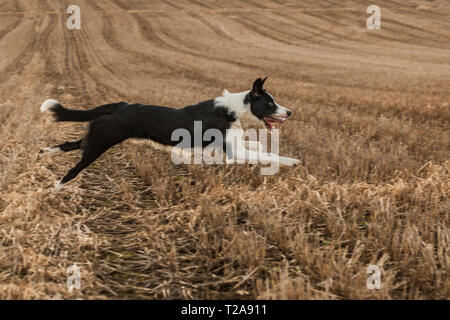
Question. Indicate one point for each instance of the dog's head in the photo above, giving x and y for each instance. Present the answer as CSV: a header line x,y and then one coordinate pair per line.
x,y
264,107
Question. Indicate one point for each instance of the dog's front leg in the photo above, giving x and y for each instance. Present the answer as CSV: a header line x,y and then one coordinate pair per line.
x,y
241,155
254,145
288,161
271,157
255,153
236,151
263,156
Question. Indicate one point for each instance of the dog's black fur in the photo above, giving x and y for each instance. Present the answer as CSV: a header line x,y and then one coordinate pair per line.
x,y
113,123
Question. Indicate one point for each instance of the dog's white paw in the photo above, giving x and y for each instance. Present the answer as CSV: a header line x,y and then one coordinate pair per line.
x,y
47,151
57,187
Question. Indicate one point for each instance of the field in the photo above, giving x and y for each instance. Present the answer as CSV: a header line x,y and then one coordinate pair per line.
x,y
370,127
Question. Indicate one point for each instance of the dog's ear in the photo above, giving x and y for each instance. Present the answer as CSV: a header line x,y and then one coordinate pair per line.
x,y
264,80
258,86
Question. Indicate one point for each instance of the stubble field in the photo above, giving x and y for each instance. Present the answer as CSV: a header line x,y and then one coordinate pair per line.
x,y
370,127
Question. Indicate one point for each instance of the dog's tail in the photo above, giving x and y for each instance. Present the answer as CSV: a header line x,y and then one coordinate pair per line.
x,y
62,114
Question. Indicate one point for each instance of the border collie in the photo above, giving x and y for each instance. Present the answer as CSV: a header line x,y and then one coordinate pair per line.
x,y
113,123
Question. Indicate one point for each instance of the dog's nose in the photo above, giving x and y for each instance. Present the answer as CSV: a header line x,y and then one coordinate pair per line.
x,y
288,113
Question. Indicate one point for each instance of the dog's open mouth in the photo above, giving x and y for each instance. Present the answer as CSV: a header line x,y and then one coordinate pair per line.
x,y
271,121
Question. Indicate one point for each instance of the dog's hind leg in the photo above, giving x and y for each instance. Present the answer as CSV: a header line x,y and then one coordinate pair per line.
x,y
64,147
69,146
99,139
88,157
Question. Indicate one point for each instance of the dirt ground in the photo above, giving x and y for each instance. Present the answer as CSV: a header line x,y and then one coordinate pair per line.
x,y
370,127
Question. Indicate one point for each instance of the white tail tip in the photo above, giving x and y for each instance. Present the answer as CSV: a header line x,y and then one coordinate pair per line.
x,y
48,104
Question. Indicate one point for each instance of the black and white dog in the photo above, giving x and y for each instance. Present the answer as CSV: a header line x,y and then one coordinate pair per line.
x,y
111,124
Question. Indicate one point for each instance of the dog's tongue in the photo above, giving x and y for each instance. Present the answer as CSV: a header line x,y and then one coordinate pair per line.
x,y
270,123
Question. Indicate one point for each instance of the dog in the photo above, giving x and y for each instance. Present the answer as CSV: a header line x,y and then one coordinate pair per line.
x,y
114,123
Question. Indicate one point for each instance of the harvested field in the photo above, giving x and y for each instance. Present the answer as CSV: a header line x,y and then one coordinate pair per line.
x,y
370,125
